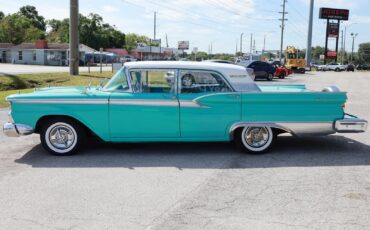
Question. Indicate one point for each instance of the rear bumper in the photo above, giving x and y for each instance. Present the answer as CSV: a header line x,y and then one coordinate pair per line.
x,y
350,124
16,130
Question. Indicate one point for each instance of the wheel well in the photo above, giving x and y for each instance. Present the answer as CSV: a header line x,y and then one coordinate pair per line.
x,y
43,119
275,131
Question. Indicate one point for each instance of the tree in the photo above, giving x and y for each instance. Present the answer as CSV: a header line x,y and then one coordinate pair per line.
x,y
364,52
1,15
32,14
59,30
132,39
17,29
93,32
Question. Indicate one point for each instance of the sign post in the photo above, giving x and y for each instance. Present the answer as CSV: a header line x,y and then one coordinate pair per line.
x,y
183,45
332,28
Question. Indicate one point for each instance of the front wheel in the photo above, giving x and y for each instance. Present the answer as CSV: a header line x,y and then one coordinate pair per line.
x,y
270,76
255,140
62,137
282,75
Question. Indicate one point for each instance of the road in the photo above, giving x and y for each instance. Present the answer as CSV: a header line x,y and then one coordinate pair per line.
x,y
303,183
27,69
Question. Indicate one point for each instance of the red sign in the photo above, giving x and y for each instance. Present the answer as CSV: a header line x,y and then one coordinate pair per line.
x,y
331,54
329,13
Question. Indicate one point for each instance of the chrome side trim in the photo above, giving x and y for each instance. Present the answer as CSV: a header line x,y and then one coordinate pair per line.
x,y
16,130
294,128
141,102
61,101
192,104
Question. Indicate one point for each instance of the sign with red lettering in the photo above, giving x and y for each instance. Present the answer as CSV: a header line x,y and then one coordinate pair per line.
x,y
333,30
329,13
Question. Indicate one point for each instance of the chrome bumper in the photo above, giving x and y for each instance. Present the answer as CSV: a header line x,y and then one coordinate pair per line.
x,y
350,124
16,130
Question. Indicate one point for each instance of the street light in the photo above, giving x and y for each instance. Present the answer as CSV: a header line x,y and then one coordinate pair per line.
x,y
354,35
345,34
241,44
264,40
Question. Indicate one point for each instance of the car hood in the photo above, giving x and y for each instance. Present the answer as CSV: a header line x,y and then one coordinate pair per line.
x,y
77,92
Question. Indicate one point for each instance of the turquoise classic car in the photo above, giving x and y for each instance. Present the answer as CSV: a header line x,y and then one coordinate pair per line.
x,y
179,102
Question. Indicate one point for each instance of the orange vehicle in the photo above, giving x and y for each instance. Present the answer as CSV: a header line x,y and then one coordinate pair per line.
x,y
292,60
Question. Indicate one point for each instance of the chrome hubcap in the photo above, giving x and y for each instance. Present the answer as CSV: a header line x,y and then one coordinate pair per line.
x,y
62,137
256,136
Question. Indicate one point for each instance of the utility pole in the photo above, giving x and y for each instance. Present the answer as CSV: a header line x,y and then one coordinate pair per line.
x,y
264,43
241,43
283,19
73,38
166,41
354,35
251,44
254,46
309,34
155,25
236,47
341,48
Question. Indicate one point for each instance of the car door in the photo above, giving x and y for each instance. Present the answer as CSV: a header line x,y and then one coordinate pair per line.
x,y
150,110
208,105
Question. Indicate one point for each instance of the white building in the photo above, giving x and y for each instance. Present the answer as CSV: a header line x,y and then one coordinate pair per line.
x,y
40,53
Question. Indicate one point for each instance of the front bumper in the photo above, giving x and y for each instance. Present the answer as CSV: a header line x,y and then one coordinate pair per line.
x,y
350,124
16,130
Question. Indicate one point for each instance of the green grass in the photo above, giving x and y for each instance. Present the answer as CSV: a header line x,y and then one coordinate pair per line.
x,y
4,94
10,84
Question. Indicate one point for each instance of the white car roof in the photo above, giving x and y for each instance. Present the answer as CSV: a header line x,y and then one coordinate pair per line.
x,y
236,75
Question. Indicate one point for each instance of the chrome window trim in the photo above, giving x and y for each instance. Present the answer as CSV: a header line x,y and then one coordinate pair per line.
x,y
204,70
129,70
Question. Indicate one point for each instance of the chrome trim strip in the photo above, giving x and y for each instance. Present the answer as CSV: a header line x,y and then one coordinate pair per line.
x,y
141,102
294,128
192,104
61,101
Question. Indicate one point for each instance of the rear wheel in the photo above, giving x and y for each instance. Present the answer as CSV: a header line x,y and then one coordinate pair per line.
x,y
62,136
337,70
282,75
255,140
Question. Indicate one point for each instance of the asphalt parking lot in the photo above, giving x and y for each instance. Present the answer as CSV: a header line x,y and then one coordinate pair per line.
x,y
303,183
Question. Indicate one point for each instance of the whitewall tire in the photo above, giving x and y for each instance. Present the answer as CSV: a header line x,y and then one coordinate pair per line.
x,y
255,139
62,136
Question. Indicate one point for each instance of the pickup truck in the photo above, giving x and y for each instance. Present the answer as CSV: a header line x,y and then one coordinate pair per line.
x,y
202,102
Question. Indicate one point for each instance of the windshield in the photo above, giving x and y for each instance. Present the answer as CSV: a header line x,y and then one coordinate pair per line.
x,y
118,82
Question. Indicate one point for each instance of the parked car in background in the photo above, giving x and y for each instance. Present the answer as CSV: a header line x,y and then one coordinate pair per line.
x,y
128,58
262,70
281,72
350,68
363,67
337,67
322,68
205,102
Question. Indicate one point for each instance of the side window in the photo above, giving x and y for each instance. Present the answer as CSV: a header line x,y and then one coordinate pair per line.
x,y
201,82
153,81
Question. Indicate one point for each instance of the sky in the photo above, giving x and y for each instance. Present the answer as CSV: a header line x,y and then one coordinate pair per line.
x,y
216,22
